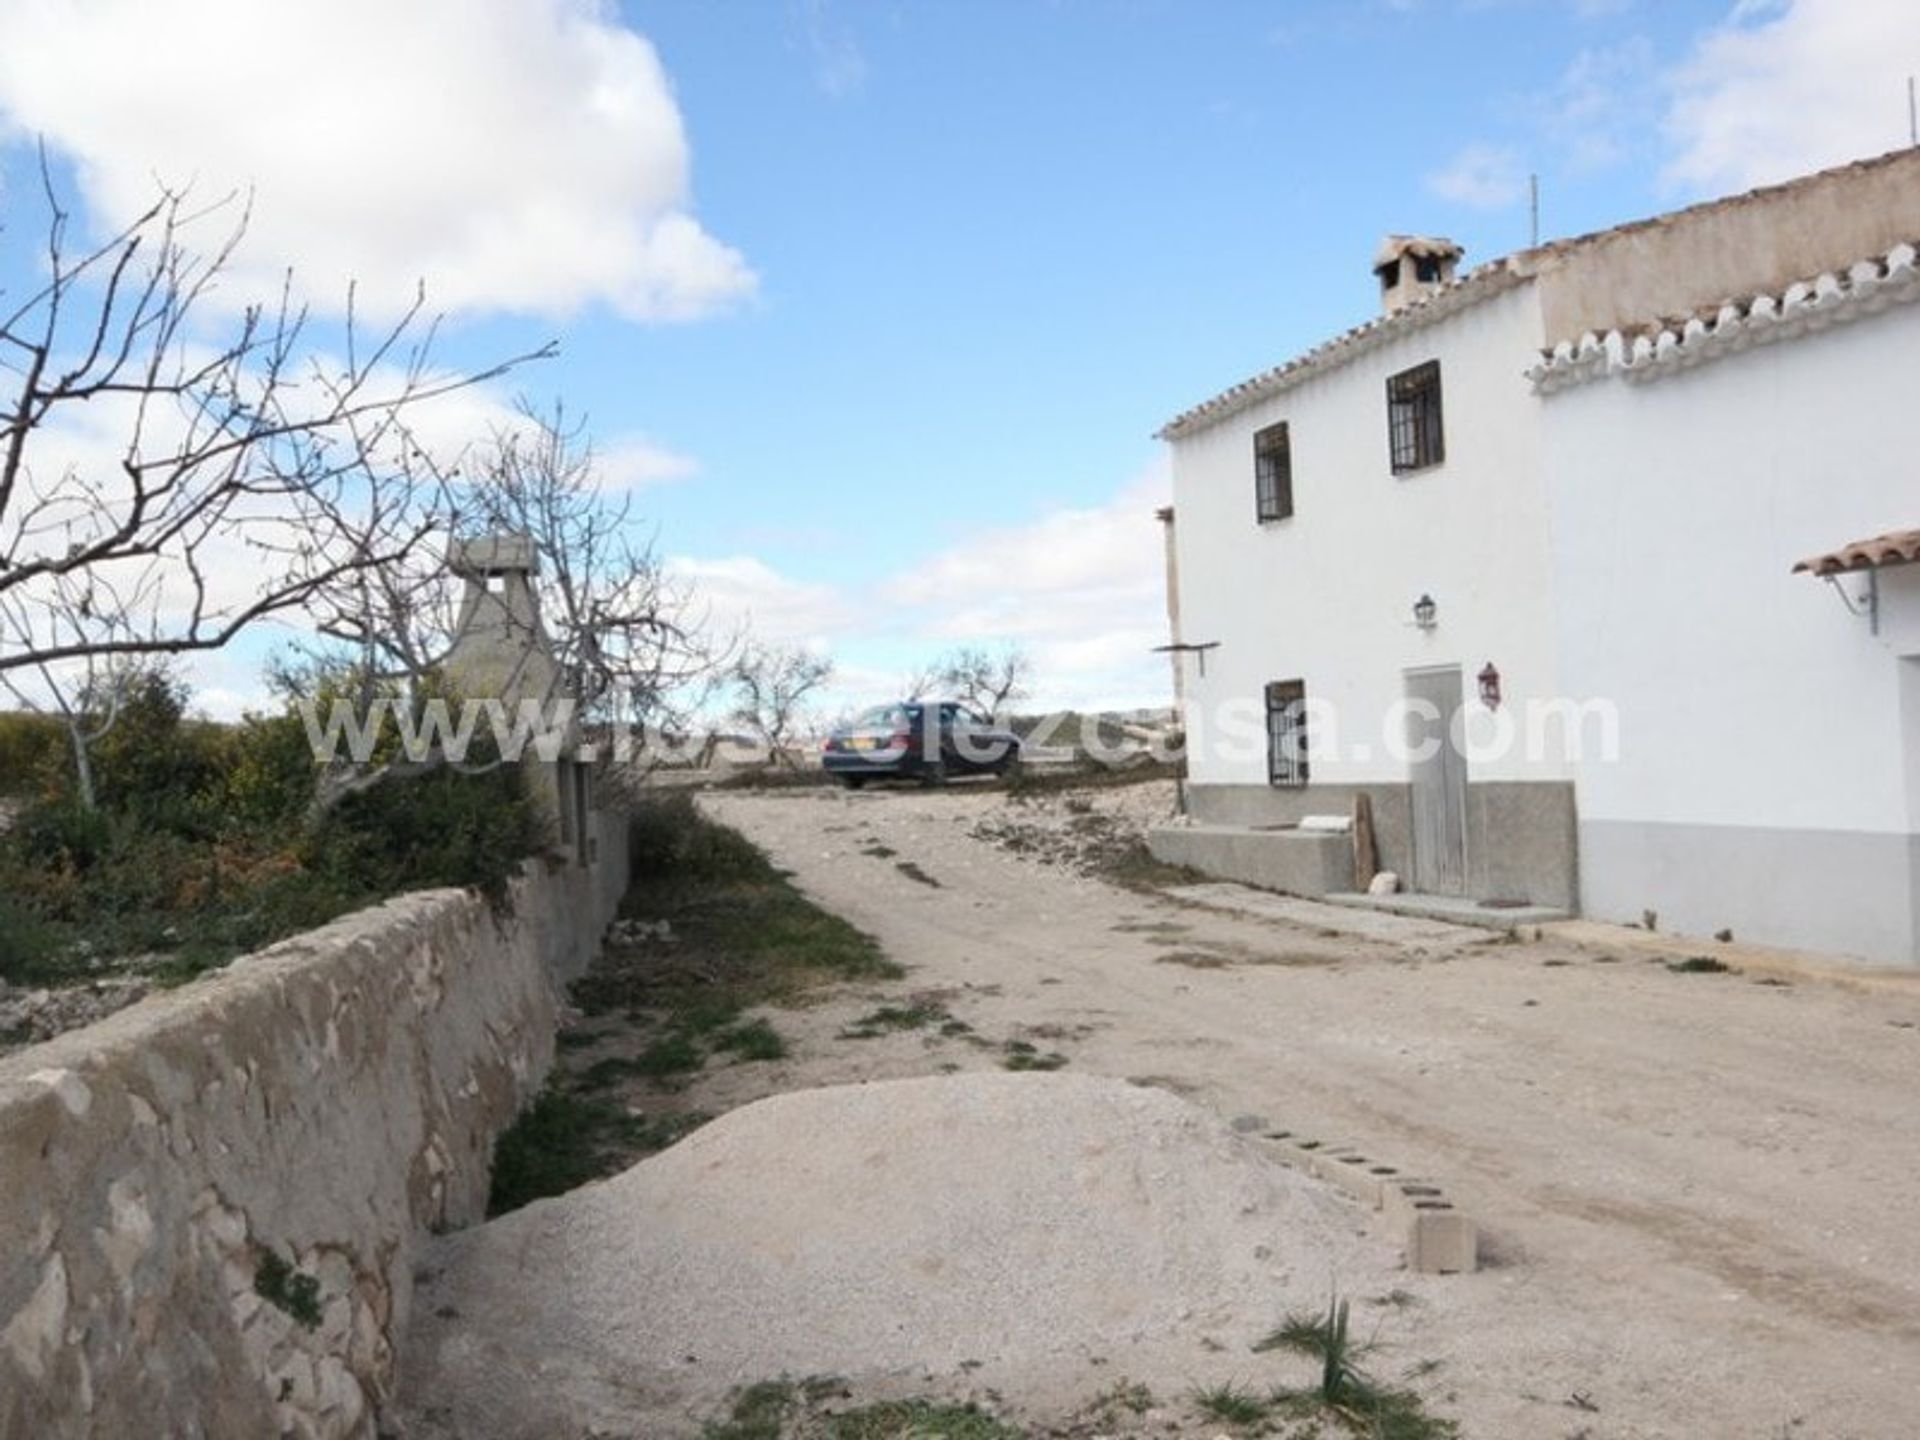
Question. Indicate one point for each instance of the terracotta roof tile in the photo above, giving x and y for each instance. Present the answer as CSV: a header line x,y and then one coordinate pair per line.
x,y
1897,547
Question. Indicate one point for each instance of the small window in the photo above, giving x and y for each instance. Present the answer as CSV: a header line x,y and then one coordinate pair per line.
x,y
1273,473
1287,733
1426,269
1413,418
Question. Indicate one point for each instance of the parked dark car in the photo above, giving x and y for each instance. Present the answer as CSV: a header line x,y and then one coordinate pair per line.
x,y
924,740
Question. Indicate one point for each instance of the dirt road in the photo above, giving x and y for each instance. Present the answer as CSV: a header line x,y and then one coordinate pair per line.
x,y
1696,1190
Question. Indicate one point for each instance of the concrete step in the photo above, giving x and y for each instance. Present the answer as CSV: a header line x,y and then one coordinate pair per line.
x,y
1452,910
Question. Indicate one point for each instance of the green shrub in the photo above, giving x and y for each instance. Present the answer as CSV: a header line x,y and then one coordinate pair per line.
x,y
442,828
32,747
668,838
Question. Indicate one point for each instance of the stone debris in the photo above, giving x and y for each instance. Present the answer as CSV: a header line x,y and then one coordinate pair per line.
x,y
640,932
1090,832
29,1016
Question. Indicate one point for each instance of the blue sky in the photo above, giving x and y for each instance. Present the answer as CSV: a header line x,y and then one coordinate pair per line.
x,y
939,269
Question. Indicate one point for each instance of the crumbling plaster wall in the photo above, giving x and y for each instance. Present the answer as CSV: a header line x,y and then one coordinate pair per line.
x,y
330,1100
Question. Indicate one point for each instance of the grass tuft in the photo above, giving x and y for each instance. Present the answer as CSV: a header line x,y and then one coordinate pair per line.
x,y
916,1015
752,1040
1345,1391
1020,1055
1232,1404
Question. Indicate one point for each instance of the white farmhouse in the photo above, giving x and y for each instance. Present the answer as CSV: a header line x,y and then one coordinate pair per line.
x,y
1554,508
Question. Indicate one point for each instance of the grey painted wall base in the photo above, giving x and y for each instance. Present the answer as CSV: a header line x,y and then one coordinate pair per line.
x,y
1522,838
1285,860
1848,892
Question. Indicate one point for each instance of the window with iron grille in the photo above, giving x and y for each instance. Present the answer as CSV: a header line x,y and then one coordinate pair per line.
x,y
1273,473
1287,733
1413,418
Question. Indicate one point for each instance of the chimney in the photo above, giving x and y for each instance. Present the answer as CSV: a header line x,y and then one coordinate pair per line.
x,y
500,648
1412,267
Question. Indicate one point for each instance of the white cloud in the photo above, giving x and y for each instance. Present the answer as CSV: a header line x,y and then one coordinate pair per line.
x,y
1483,177
1082,589
839,64
1597,113
630,462
1788,86
741,592
519,155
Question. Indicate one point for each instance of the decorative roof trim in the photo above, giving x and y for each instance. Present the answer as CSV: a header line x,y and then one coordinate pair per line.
x,y
1667,346
1901,547
1478,286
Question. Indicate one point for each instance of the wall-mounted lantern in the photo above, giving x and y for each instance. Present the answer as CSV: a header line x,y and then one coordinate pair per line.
x,y
1425,612
1490,687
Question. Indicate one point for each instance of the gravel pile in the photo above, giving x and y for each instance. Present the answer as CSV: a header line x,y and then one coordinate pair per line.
x,y
996,1230
1091,832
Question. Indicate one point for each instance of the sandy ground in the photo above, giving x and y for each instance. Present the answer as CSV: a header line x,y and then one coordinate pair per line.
x,y
1695,1189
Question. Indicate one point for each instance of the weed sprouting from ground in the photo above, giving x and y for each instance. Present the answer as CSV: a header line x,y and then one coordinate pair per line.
x,y
916,1015
1020,1055
759,1413
1699,965
673,1054
1344,1390
1125,1395
752,1040
1232,1404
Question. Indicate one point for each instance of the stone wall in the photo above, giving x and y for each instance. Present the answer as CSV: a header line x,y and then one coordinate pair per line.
x,y
327,1101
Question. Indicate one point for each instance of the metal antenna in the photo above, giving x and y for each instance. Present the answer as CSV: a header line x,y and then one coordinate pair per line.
x,y
1533,194
1913,114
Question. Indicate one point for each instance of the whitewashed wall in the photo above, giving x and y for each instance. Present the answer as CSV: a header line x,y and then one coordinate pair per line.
x,y
1327,595
1769,777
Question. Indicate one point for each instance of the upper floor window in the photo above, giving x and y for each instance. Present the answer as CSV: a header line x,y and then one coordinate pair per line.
x,y
1273,473
1414,430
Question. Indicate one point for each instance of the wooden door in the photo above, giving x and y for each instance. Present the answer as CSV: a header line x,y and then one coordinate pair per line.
x,y
1439,774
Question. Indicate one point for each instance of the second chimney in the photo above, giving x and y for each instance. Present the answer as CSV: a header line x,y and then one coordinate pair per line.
x,y
1412,267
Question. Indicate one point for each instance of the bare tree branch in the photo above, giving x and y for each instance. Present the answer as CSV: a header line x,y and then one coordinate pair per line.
x,y
252,476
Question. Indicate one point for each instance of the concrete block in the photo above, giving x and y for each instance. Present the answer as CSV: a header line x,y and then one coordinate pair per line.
x,y
1441,1241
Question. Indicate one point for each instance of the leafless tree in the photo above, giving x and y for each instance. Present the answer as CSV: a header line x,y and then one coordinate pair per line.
x,y
160,491
987,681
922,683
770,686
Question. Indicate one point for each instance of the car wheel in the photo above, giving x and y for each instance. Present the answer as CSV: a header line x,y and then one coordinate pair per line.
x,y
853,782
